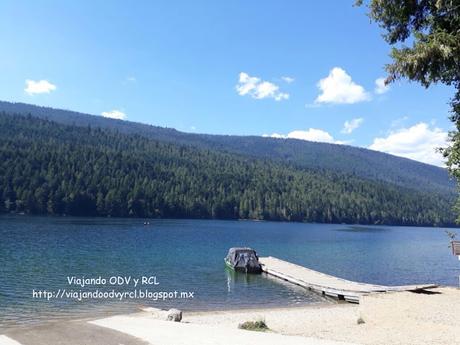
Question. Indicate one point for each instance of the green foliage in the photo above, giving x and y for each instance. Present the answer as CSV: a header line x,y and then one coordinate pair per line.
x,y
433,29
50,168
433,26
343,159
259,326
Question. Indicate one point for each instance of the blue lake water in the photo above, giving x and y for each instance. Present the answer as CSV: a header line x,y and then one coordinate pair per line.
x,y
39,253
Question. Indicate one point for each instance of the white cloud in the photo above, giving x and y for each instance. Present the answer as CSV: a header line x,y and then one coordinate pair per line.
x,y
275,135
288,79
41,86
259,89
380,87
114,114
338,87
418,142
350,126
312,134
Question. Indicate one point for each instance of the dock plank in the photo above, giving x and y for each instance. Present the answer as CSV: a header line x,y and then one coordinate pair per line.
x,y
327,284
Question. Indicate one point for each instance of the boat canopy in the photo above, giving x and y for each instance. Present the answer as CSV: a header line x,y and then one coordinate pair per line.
x,y
243,258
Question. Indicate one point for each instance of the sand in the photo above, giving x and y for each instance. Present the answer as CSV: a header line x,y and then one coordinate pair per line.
x,y
4,340
159,332
387,318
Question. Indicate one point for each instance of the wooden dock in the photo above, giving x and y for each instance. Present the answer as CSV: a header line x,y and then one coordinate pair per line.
x,y
328,285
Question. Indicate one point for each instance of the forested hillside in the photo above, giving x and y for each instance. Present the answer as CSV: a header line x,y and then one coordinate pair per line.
x,y
312,155
51,168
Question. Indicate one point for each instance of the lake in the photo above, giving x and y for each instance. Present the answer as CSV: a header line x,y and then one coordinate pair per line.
x,y
39,253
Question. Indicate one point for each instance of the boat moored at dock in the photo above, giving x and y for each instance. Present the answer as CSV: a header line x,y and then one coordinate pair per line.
x,y
243,260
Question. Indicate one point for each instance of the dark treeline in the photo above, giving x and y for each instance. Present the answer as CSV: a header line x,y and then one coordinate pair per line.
x,y
50,168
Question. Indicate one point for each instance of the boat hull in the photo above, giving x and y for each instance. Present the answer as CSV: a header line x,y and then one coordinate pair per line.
x,y
252,270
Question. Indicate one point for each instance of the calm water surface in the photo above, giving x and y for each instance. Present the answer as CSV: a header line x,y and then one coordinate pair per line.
x,y
187,255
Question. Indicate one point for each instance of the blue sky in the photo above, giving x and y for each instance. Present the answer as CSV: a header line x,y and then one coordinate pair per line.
x,y
299,69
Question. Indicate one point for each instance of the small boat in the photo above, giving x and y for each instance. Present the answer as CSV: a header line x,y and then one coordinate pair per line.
x,y
243,260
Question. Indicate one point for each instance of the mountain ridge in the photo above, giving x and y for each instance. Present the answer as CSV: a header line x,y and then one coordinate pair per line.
x,y
51,168
367,163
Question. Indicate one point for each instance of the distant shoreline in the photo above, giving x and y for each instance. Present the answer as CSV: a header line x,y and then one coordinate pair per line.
x,y
143,219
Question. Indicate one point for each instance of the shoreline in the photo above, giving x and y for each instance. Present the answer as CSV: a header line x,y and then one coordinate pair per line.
x,y
380,319
107,311
149,219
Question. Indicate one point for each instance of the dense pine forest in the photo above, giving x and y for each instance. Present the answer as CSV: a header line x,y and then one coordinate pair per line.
x,y
57,169
343,159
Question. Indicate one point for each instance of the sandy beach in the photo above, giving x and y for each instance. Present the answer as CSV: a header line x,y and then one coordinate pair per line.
x,y
390,318
386,318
